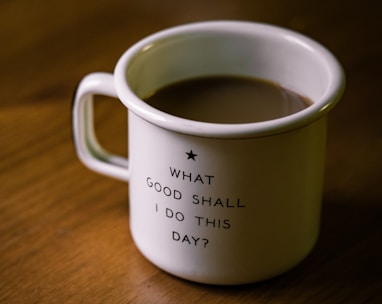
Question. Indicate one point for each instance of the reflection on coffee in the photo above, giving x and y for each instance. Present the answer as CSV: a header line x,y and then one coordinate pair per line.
x,y
226,99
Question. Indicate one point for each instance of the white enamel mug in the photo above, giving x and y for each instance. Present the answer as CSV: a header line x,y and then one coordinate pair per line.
x,y
209,202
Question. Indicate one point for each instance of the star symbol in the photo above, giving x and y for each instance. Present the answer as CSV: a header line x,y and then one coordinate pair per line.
x,y
191,155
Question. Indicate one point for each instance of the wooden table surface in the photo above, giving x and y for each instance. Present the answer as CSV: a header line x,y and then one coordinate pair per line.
x,y
64,230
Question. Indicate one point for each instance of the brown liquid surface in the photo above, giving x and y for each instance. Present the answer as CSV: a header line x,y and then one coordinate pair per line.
x,y
227,100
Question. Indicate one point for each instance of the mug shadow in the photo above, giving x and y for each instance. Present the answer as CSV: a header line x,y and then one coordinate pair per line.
x,y
346,260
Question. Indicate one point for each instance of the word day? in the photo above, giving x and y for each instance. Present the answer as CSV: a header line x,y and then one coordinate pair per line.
x,y
189,239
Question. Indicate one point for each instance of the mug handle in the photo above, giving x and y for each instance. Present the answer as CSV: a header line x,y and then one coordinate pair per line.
x,y
87,147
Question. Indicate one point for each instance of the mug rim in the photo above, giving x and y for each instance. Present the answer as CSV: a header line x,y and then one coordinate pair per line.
x,y
168,121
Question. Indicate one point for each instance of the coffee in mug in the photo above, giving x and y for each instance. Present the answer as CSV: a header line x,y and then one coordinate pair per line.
x,y
226,141
225,99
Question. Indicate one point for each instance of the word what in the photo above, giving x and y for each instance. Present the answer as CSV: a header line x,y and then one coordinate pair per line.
x,y
191,177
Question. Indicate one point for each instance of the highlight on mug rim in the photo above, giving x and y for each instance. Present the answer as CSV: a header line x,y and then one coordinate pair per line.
x,y
331,95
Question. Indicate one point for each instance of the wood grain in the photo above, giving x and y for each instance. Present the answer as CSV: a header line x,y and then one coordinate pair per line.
x,y
64,231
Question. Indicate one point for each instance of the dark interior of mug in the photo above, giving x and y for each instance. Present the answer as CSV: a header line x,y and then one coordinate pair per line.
x,y
279,56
